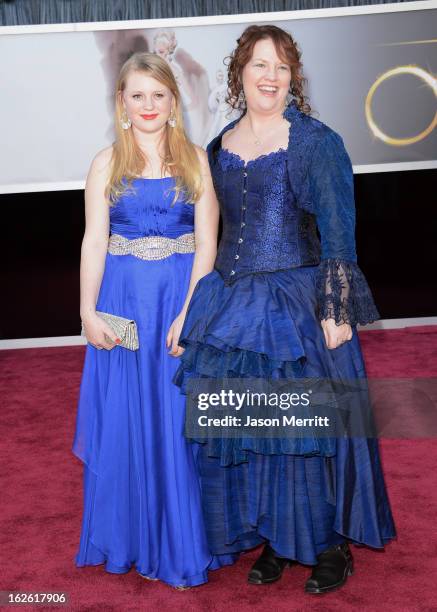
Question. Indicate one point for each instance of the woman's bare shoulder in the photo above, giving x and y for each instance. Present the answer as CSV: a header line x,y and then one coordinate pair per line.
x,y
100,168
102,158
203,159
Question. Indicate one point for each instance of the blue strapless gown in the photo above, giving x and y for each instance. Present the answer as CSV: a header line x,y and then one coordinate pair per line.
x,y
301,495
141,489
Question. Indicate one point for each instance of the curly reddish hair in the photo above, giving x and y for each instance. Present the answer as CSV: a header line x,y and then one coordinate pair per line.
x,y
287,50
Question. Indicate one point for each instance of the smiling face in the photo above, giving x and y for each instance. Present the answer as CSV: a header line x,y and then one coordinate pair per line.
x,y
147,102
266,79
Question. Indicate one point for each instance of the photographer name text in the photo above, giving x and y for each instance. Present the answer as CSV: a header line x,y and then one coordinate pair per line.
x,y
285,421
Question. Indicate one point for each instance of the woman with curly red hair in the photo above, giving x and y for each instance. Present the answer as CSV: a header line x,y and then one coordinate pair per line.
x,y
283,301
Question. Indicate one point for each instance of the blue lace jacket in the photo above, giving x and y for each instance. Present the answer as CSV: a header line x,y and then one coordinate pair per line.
x,y
270,225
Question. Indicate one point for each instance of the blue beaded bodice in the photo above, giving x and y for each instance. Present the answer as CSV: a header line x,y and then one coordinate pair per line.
x,y
263,230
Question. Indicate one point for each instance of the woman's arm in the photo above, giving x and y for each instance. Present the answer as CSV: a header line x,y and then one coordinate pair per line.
x,y
344,298
93,252
206,218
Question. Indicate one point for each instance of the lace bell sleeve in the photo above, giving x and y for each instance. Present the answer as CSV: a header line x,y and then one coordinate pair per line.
x,y
342,290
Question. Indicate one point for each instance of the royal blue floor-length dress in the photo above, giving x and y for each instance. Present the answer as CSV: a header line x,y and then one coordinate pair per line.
x,y
141,490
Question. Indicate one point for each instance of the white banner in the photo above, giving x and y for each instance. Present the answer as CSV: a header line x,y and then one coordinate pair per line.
x,y
371,73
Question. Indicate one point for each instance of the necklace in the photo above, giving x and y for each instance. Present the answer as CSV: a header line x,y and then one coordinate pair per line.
x,y
257,141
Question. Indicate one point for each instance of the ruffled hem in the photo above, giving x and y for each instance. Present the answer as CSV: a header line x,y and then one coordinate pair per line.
x,y
267,313
263,326
343,293
206,361
209,361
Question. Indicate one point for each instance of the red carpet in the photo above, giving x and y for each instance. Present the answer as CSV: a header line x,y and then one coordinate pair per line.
x,y
42,500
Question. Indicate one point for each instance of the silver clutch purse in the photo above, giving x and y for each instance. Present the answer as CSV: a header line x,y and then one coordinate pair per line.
x,y
126,329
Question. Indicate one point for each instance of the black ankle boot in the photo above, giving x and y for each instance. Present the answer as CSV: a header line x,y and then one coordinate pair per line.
x,y
268,567
331,572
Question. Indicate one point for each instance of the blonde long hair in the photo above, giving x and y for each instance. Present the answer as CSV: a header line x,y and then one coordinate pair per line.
x,y
128,161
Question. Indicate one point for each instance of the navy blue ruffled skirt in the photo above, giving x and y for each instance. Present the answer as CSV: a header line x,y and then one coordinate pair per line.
x,y
303,495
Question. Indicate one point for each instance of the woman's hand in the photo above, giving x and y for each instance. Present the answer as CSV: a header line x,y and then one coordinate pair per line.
x,y
173,336
336,335
94,248
98,333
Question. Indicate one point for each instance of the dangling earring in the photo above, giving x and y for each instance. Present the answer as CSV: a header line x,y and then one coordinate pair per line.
x,y
288,99
125,122
172,121
241,99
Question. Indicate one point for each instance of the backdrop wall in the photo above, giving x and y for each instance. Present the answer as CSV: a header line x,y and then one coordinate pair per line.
x,y
64,80
370,77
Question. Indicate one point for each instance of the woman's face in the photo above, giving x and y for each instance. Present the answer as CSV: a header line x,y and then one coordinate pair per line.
x,y
148,103
266,79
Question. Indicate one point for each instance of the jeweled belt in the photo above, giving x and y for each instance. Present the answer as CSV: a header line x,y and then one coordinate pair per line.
x,y
151,247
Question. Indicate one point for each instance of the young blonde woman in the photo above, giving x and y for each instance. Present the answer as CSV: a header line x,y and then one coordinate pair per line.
x,y
145,197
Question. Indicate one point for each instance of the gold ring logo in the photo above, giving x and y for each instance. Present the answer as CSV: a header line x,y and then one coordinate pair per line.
x,y
427,78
